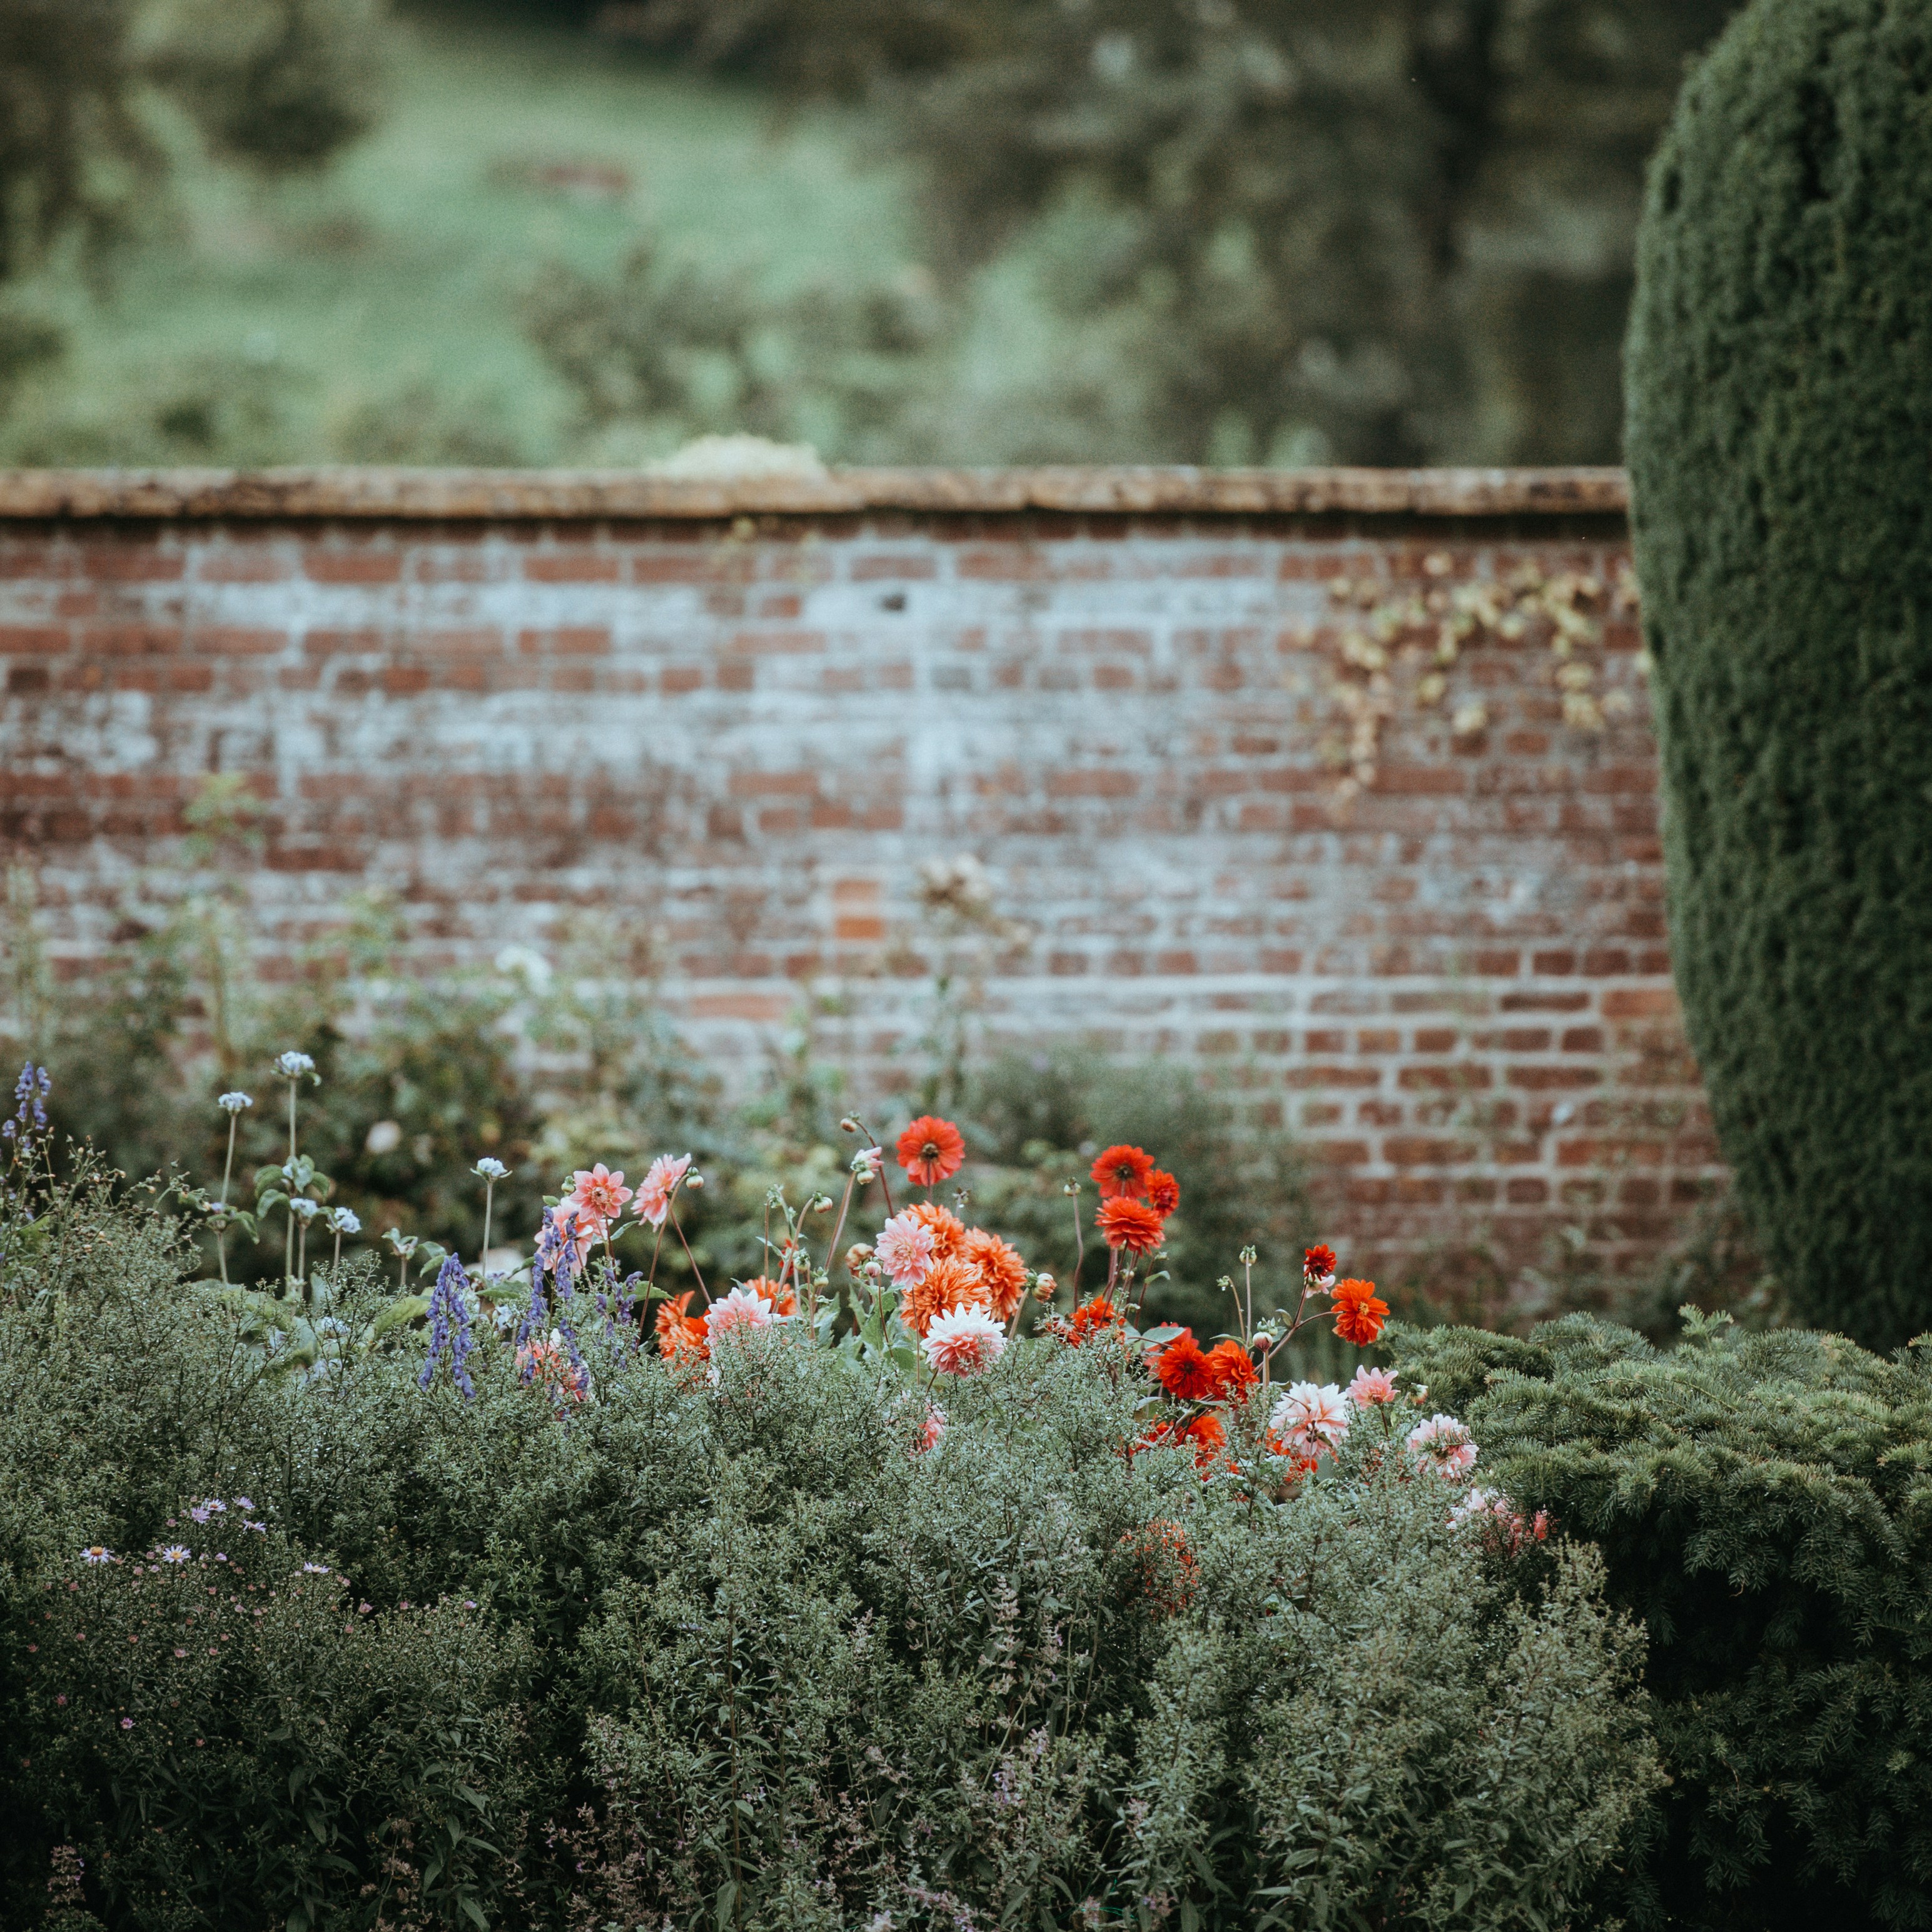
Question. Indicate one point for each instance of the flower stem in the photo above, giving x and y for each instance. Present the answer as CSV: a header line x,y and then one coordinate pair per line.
x,y
688,1256
221,1227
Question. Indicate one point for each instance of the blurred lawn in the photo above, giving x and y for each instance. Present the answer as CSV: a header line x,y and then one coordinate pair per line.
x,y
370,314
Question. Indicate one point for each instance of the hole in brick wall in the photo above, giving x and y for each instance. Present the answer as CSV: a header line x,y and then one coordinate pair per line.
x,y
893,600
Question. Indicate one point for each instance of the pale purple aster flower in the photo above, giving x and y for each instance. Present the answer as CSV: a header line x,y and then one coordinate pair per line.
x,y
95,1553
176,1552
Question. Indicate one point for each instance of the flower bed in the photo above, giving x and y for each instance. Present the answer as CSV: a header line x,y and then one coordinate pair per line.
x,y
906,1587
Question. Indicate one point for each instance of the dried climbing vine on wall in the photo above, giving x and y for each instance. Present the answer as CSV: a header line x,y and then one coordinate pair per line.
x,y
1398,650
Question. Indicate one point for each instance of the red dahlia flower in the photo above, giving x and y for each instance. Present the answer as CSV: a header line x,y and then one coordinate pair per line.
x,y
1318,1263
1163,1193
1183,1371
1122,1171
1232,1368
932,1150
1128,1224
1359,1314
1089,1318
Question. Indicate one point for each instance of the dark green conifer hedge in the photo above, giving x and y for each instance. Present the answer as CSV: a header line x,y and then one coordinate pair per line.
x,y
1780,375
1764,1503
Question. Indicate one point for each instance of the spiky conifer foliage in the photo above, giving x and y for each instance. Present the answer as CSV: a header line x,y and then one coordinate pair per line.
x,y
1764,1503
1780,369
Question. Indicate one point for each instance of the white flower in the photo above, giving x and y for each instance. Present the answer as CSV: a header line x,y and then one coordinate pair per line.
x,y
967,1342
233,1103
315,1569
346,1221
740,1310
175,1552
304,1208
293,1065
95,1553
1311,1417
491,1168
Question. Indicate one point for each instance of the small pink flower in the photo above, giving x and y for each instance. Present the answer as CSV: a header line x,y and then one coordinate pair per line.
x,y
933,1429
1371,1388
1444,1443
598,1195
967,1342
905,1250
740,1311
126,1724
653,1202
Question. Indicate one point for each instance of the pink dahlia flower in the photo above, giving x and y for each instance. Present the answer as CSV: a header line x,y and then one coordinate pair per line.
x,y
598,1194
967,1342
653,1202
1371,1388
1444,1443
905,1250
740,1312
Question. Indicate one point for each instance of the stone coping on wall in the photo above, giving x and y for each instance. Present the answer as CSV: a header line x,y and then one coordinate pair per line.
x,y
590,495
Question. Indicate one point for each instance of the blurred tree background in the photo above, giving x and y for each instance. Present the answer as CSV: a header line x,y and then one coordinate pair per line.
x,y
1281,231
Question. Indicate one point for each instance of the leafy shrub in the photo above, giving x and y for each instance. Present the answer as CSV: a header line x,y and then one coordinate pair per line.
x,y
758,1647
1761,1501
235,1741
1780,404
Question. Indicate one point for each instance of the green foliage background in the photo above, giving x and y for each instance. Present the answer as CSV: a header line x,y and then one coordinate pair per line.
x,y
1762,1504
1780,366
953,231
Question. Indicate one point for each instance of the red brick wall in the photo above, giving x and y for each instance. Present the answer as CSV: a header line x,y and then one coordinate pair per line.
x,y
741,735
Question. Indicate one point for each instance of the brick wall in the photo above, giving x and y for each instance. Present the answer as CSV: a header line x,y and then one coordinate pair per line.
x,y
738,719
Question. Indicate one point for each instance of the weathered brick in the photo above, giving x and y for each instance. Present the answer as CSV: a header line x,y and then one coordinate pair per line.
x,y
1126,715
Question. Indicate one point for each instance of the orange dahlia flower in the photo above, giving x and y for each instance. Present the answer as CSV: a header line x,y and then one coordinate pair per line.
x,y
1129,1224
682,1337
1163,1193
1232,1368
1359,1313
1183,1370
949,1232
1001,1269
947,1287
932,1150
1123,1171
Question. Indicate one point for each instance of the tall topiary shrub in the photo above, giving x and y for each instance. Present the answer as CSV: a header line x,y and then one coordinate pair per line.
x,y
1780,376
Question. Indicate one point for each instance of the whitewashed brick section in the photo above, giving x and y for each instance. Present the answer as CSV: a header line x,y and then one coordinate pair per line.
x,y
742,740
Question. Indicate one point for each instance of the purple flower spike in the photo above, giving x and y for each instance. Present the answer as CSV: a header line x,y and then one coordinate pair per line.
x,y
449,1328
